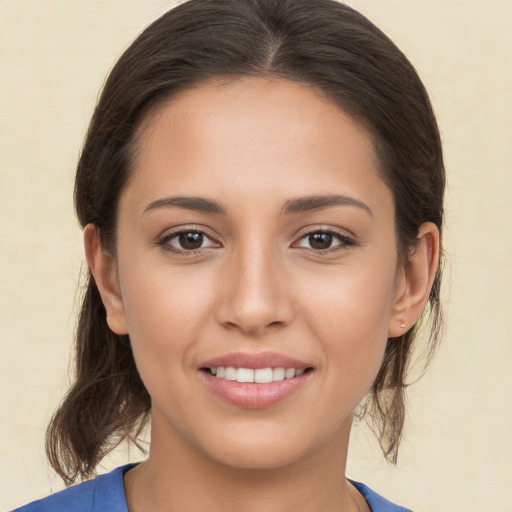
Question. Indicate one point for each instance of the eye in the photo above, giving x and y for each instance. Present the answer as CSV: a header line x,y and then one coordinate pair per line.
x,y
324,240
187,241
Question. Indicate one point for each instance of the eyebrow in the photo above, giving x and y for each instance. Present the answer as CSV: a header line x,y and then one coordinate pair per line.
x,y
198,204
308,203
299,205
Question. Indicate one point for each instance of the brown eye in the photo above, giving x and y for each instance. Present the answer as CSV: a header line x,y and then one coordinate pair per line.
x,y
190,240
320,241
324,241
187,241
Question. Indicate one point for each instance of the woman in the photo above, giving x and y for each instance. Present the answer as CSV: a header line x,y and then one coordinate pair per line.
x,y
261,192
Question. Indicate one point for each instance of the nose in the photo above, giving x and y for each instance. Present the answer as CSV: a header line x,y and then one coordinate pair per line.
x,y
255,295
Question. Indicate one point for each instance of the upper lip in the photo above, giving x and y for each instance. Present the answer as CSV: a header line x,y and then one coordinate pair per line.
x,y
254,361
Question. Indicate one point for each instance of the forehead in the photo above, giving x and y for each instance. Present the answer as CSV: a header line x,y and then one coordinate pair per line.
x,y
251,135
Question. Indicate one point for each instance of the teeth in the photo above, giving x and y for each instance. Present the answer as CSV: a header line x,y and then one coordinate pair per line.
x,y
230,373
278,374
245,375
289,373
260,375
263,375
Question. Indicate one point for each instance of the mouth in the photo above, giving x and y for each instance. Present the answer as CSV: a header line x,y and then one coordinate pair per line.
x,y
256,375
255,381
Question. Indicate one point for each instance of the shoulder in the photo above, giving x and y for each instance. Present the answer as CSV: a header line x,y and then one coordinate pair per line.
x,y
105,493
376,502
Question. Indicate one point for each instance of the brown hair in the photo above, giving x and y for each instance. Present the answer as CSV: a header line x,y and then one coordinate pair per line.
x,y
318,42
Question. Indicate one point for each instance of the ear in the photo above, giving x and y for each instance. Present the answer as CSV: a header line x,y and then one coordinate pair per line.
x,y
414,281
104,270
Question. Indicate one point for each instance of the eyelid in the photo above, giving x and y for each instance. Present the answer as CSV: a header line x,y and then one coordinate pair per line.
x,y
170,234
345,238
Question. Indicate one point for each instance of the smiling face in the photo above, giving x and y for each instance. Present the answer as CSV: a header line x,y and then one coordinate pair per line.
x,y
255,241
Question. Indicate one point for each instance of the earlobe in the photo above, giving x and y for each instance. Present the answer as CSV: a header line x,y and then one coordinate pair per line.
x,y
416,279
103,268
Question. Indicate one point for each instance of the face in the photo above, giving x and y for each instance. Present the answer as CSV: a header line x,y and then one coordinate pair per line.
x,y
255,241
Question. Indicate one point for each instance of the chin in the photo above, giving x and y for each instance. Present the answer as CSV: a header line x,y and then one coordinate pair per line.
x,y
267,446
257,457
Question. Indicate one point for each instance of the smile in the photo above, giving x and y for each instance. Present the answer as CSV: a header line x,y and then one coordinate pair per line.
x,y
257,375
255,381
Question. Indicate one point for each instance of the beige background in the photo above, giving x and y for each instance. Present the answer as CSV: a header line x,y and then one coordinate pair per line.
x,y
53,58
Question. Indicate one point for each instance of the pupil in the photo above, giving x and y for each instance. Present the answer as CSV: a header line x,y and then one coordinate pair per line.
x,y
191,240
320,240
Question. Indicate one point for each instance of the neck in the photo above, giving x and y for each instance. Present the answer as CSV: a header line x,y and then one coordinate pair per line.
x,y
178,476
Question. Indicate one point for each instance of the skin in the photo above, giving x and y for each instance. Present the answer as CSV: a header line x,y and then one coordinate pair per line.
x,y
257,283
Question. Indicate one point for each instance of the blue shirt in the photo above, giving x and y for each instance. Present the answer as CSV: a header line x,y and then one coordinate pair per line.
x,y
105,493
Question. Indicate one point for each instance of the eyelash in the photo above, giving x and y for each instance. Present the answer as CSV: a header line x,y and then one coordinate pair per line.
x,y
344,241
165,240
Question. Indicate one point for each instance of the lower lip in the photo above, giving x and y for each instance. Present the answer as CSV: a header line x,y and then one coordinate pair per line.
x,y
252,395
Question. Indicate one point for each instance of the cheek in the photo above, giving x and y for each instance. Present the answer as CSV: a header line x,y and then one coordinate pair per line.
x,y
353,300
165,311
350,312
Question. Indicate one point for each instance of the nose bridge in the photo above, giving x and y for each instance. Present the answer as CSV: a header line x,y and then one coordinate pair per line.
x,y
254,296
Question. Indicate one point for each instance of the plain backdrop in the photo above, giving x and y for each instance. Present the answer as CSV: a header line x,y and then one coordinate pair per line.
x,y
54,55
